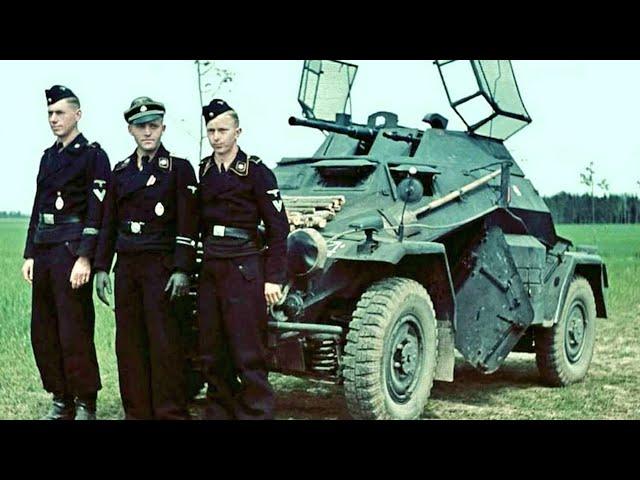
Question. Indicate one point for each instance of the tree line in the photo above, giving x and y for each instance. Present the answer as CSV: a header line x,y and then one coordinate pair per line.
x,y
565,208
585,208
12,214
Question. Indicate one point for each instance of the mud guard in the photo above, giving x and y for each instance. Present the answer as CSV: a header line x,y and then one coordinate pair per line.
x,y
444,301
587,265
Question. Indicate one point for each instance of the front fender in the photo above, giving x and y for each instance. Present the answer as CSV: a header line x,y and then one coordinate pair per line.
x,y
387,252
425,262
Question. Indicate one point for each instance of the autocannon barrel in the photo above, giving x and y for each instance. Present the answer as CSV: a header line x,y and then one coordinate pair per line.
x,y
356,131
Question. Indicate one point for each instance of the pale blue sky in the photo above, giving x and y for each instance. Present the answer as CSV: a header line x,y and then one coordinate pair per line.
x,y
582,111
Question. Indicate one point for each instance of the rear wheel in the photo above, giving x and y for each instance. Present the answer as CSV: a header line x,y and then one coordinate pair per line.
x,y
564,351
390,355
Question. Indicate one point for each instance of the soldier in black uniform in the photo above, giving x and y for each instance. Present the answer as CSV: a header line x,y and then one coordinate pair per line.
x,y
239,277
61,240
151,222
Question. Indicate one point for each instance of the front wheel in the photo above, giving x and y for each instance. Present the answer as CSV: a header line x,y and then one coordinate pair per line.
x,y
390,355
564,351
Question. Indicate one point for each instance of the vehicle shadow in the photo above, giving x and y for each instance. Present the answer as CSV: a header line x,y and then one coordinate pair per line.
x,y
296,399
474,388
301,399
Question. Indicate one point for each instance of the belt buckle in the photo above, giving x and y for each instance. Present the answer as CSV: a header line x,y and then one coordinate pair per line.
x,y
48,218
136,227
218,230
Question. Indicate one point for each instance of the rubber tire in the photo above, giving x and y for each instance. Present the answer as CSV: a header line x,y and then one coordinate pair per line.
x,y
551,357
368,341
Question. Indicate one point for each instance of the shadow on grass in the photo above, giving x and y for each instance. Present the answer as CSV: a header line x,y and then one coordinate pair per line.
x,y
473,388
299,399
305,405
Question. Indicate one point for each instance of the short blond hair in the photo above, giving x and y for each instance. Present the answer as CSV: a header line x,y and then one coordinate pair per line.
x,y
235,117
75,101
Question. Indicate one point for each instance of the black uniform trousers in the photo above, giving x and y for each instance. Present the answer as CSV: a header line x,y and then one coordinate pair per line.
x,y
232,322
62,325
148,341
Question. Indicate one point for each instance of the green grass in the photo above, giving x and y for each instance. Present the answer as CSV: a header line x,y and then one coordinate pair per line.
x,y
610,391
21,392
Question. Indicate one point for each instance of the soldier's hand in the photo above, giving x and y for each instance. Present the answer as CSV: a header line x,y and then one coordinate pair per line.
x,y
272,293
80,273
27,270
178,284
103,284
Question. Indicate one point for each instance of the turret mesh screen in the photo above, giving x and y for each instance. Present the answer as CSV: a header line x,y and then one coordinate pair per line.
x,y
325,87
496,79
484,93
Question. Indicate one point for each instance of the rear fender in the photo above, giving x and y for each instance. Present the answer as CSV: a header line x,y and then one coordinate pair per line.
x,y
587,265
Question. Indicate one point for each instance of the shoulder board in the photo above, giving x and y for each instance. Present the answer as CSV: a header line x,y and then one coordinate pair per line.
x,y
121,165
205,160
179,159
76,148
255,159
94,145
181,162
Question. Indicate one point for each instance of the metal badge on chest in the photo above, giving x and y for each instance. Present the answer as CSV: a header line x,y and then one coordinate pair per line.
x,y
59,202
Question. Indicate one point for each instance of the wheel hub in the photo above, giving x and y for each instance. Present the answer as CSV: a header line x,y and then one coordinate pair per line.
x,y
574,340
403,368
408,357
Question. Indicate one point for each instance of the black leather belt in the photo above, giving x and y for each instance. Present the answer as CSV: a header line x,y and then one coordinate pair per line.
x,y
220,231
55,219
135,227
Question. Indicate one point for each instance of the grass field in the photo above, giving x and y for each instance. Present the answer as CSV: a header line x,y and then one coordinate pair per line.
x,y
610,391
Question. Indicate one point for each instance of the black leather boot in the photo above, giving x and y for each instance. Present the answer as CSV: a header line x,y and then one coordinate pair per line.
x,y
85,409
61,409
219,404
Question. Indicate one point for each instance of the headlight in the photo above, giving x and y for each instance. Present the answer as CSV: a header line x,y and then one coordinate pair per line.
x,y
307,251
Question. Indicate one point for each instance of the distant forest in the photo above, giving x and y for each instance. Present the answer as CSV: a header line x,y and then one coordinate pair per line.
x,y
4,214
565,208
572,208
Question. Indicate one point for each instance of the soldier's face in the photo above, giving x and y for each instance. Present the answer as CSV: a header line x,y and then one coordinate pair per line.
x,y
63,117
148,135
223,133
